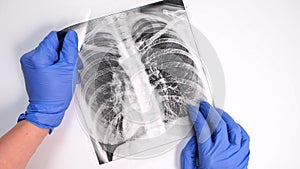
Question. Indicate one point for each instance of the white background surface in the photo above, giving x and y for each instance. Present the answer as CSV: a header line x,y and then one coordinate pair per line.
x,y
258,46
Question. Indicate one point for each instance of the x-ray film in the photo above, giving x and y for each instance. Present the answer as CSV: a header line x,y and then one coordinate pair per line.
x,y
141,71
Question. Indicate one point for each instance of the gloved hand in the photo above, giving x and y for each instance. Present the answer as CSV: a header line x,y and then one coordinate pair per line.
x,y
50,75
220,143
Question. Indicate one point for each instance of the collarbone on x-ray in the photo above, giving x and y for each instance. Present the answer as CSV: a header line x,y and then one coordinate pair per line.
x,y
141,72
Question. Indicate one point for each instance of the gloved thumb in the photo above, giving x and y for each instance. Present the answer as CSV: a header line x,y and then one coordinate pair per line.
x,y
197,119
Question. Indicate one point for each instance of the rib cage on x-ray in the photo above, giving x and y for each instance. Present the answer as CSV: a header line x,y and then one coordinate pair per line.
x,y
139,76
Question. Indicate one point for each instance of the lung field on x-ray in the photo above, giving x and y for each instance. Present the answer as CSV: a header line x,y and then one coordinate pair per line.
x,y
139,76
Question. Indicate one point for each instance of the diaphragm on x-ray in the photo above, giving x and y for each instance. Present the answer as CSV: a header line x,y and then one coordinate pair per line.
x,y
141,71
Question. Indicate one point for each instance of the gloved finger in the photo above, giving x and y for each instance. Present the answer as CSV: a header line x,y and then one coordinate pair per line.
x,y
202,129
189,154
215,122
79,64
76,80
77,77
244,150
69,51
46,53
245,137
233,129
26,59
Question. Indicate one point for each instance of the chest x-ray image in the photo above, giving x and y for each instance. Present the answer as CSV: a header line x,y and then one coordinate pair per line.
x,y
141,71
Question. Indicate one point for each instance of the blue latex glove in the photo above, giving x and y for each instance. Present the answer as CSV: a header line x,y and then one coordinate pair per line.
x,y
220,143
50,75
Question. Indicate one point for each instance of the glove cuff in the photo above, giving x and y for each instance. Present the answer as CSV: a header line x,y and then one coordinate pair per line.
x,y
44,116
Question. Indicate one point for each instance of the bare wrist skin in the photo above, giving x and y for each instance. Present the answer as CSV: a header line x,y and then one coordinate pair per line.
x,y
18,145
